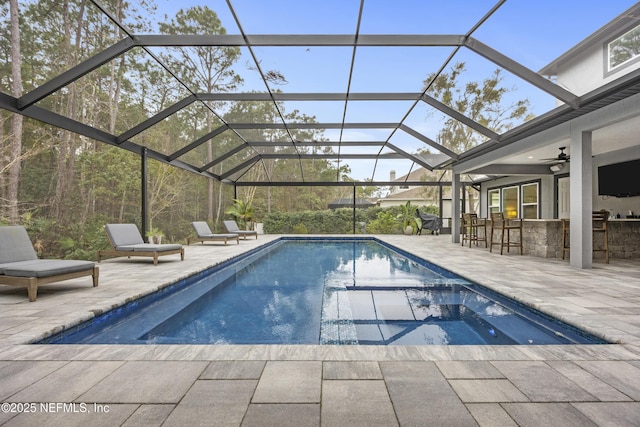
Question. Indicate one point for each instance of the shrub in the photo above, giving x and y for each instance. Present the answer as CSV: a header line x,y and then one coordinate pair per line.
x,y
300,229
338,221
385,223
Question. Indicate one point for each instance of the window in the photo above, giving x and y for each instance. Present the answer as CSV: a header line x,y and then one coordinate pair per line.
x,y
530,200
510,203
494,201
623,49
515,201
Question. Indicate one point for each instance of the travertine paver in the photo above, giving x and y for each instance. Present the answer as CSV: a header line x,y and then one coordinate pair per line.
x,y
486,391
233,370
289,382
491,415
149,415
16,376
351,371
66,383
356,403
213,402
596,387
541,383
420,394
115,416
282,415
468,369
146,382
611,414
547,414
621,375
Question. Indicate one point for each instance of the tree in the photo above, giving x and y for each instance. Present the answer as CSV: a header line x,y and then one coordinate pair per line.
x,y
283,169
15,136
482,102
208,69
241,212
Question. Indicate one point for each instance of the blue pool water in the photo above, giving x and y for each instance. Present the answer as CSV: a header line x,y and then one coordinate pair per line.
x,y
328,291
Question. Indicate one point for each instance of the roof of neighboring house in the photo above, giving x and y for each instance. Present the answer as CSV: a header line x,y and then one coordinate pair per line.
x,y
410,194
348,202
613,29
417,175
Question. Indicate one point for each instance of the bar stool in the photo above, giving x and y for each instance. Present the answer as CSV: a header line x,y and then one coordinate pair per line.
x,y
600,220
499,223
471,225
565,236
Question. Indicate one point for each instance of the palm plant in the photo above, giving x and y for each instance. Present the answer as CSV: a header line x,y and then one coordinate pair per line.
x,y
242,212
408,218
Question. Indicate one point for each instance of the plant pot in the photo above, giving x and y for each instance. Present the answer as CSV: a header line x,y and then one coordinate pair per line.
x,y
408,230
259,228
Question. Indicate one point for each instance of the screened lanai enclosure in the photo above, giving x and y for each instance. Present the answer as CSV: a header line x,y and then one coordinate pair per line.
x,y
161,112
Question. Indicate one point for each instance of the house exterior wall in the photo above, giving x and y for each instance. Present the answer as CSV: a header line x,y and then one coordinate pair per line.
x,y
589,71
546,192
616,205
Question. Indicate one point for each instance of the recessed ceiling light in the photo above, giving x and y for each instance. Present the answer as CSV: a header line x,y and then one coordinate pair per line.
x,y
530,157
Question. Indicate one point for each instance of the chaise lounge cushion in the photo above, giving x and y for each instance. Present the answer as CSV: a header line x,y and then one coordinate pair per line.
x,y
232,227
127,238
44,267
20,266
16,245
202,230
149,247
123,235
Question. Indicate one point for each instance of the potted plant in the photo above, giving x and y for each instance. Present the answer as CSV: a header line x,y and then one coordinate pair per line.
x,y
155,235
410,223
242,212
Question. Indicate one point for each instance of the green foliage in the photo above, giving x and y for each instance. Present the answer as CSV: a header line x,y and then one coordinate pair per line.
x,y
300,229
431,209
153,231
385,223
240,211
340,221
408,217
479,101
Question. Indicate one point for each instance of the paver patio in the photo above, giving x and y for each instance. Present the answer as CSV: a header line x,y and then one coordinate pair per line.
x,y
297,385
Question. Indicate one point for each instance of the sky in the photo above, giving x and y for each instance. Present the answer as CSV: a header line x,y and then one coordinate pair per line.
x,y
533,33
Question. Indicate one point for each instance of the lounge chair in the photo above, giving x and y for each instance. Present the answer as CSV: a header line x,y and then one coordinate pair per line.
x,y
20,266
232,227
126,241
205,235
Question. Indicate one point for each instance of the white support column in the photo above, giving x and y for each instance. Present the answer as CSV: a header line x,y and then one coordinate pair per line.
x,y
581,200
455,208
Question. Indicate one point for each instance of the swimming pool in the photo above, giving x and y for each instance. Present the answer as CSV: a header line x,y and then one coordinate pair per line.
x,y
325,291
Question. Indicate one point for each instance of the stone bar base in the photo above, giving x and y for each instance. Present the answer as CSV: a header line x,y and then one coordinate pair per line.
x,y
543,238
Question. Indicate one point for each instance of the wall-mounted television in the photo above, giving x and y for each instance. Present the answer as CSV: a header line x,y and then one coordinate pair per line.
x,y
619,179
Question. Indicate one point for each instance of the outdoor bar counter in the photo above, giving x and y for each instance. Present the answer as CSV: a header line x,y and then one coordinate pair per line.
x,y
543,238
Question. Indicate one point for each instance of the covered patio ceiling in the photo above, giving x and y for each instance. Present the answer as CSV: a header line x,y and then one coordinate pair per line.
x,y
360,76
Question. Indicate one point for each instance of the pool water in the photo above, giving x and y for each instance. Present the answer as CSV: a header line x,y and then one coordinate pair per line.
x,y
326,291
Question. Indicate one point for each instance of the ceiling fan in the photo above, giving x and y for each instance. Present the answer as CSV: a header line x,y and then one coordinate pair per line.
x,y
562,157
